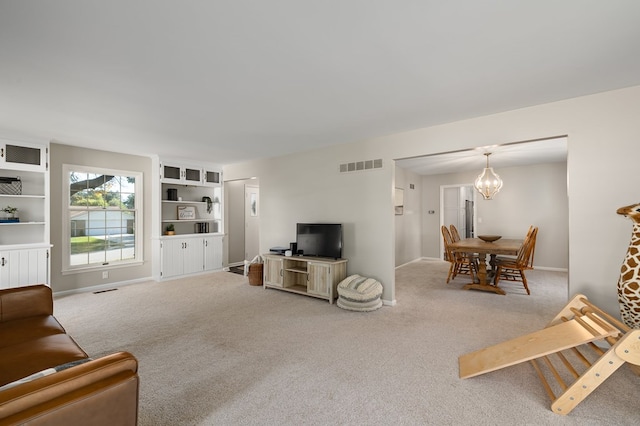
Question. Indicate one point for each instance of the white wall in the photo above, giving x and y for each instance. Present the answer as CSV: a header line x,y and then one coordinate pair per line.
x,y
307,187
531,195
234,220
602,135
408,225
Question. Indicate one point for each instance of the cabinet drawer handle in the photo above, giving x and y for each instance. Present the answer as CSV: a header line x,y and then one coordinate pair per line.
x,y
2,152
4,262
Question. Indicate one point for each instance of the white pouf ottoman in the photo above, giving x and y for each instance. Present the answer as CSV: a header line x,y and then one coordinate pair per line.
x,y
357,293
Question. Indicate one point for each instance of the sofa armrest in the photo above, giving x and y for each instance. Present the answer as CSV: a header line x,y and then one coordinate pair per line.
x,y
23,302
103,391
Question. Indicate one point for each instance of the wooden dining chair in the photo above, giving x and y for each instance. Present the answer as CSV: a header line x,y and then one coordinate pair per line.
x,y
514,269
455,235
472,259
459,262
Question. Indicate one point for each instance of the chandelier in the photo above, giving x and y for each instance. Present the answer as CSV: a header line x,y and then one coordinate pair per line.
x,y
488,183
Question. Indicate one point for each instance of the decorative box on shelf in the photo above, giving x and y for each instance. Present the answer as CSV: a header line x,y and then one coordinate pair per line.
x,y
10,185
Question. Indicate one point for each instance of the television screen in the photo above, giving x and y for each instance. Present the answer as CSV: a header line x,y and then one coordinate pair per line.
x,y
319,239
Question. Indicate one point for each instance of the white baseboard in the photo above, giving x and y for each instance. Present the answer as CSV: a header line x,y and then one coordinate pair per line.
x,y
547,268
100,287
414,261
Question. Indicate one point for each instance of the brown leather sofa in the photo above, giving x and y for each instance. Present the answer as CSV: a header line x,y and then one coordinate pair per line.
x,y
77,390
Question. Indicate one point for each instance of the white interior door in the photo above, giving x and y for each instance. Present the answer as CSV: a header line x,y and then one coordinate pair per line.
x,y
251,221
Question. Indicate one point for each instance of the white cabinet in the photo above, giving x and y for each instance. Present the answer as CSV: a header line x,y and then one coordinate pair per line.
x,y
181,256
212,253
24,238
194,190
23,156
24,267
185,175
190,254
191,231
317,277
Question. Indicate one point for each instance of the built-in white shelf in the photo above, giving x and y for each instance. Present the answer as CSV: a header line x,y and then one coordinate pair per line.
x,y
21,223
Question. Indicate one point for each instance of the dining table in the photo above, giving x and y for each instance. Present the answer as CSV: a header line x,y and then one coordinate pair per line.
x,y
506,246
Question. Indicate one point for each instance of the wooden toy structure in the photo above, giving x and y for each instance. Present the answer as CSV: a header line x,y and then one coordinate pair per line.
x,y
565,351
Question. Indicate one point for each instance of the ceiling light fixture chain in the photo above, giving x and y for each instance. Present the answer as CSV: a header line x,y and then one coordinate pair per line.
x,y
488,183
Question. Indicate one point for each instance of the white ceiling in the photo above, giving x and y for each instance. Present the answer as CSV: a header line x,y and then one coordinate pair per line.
x,y
552,150
227,81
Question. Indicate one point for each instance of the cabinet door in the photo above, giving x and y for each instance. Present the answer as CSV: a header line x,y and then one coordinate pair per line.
x,y
192,175
171,252
5,272
272,271
212,253
319,279
24,267
23,156
171,173
211,178
193,255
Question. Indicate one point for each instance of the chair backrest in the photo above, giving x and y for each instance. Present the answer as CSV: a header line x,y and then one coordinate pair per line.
x,y
525,255
532,248
529,231
446,237
455,236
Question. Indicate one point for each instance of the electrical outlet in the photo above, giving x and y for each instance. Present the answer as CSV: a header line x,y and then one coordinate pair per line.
x,y
105,275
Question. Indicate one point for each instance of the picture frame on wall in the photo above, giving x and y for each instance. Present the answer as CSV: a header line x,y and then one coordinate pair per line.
x,y
186,212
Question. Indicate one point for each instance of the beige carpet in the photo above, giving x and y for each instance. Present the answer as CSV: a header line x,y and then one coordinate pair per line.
x,y
214,350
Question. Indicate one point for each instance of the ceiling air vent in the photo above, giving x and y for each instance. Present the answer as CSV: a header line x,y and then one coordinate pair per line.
x,y
359,166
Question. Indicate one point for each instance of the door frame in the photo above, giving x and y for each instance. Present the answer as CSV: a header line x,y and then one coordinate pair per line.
x,y
247,208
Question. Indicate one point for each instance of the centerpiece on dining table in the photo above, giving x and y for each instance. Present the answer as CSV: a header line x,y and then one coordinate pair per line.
x,y
489,238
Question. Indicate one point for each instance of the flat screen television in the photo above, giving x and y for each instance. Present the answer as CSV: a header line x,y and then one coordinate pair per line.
x,y
319,239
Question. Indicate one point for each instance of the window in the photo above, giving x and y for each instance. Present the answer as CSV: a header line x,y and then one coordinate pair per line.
x,y
103,217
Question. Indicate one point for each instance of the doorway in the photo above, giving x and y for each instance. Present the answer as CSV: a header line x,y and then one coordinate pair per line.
x,y
251,221
242,220
536,169
458,208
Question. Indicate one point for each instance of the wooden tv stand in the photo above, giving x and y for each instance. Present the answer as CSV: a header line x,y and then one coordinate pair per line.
x,y
312,276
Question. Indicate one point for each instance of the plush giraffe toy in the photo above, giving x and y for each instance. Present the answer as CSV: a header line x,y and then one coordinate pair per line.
x,y
629,282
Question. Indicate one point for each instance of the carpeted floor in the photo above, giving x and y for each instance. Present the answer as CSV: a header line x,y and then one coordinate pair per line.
x,y
214,350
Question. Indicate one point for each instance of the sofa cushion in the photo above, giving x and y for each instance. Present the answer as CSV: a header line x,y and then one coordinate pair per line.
x,y
22,302
25,358
25,329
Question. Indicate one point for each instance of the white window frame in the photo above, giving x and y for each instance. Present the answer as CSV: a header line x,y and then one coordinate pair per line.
x,y
67,268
